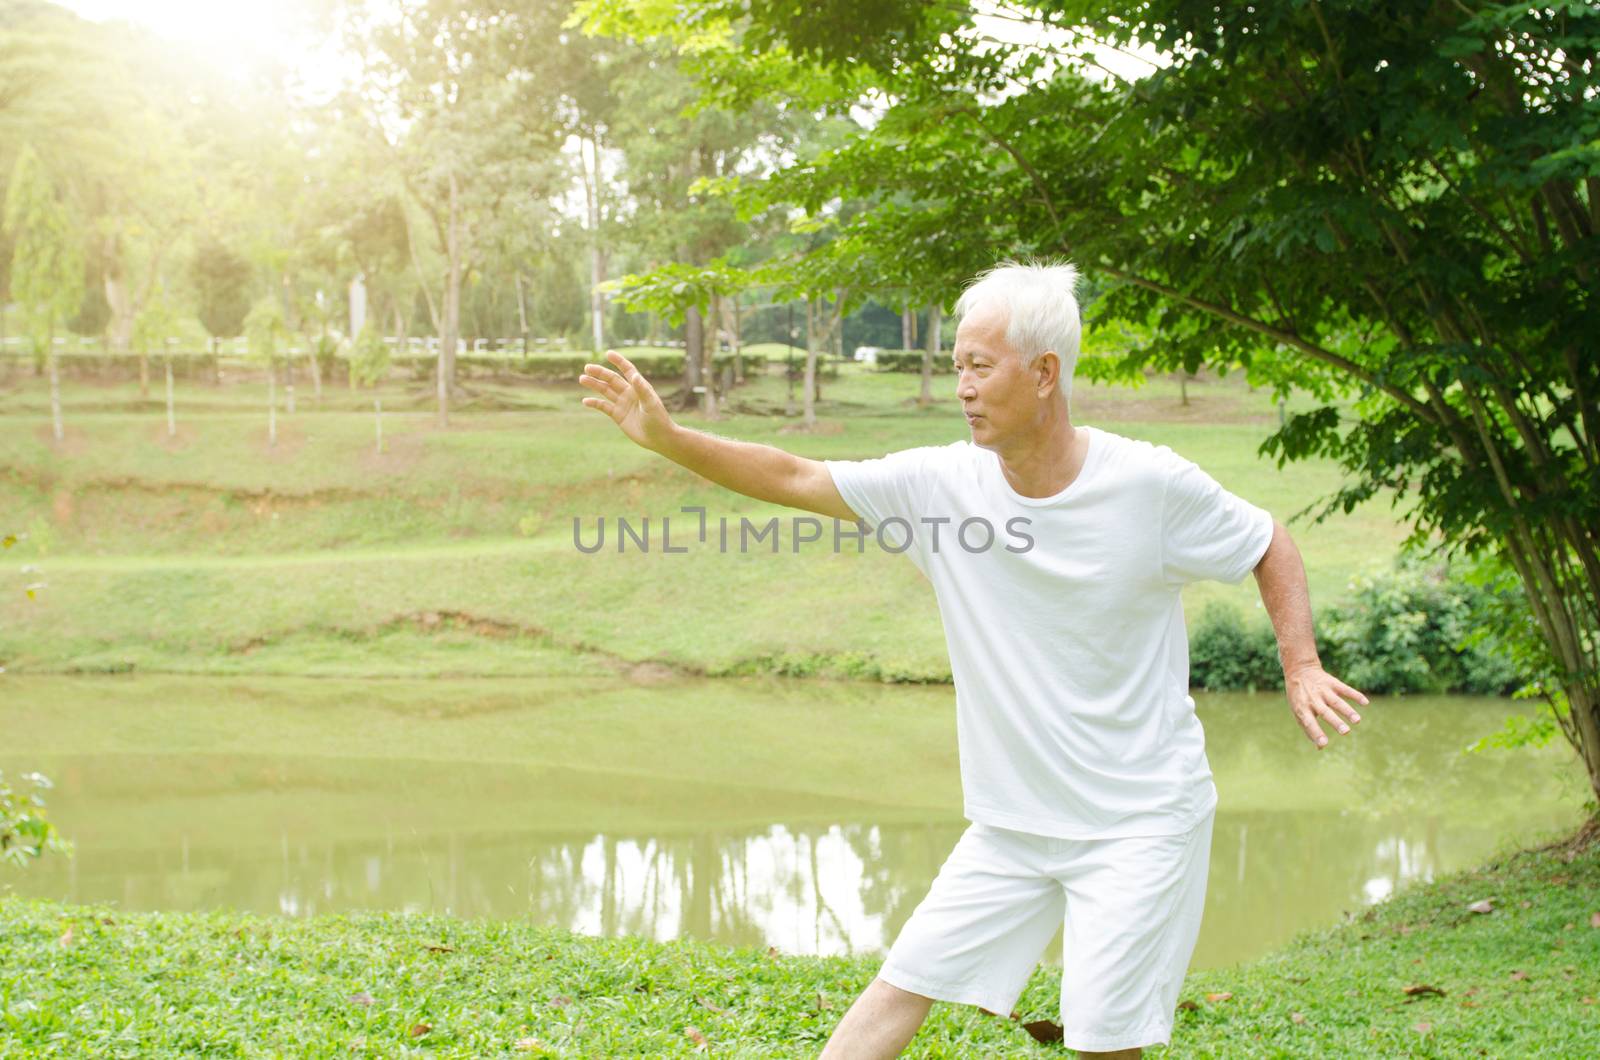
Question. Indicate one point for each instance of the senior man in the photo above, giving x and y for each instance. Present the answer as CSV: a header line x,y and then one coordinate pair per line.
x,y
1083,765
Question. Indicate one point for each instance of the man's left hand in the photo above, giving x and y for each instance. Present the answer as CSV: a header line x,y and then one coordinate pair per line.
x,y
1316,694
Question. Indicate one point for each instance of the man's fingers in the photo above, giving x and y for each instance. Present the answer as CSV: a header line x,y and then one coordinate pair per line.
x,y
629,372
600,376
602,404
1332,717
1342,707
1308,722
1346,690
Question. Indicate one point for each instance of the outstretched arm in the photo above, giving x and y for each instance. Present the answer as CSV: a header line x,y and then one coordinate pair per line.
x,y
760,471
1313,692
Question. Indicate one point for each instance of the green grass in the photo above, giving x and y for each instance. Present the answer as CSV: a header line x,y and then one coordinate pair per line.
x,y
98,980
215,553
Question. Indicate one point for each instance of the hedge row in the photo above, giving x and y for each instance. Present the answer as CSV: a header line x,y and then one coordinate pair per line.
x,y
548,368
1403,630
911,361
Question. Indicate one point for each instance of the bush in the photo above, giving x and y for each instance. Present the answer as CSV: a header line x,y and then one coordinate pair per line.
x,y
1407,629
911,361
1225,654
561,367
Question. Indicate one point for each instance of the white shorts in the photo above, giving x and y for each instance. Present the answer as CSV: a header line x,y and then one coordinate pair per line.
x,y
1131,909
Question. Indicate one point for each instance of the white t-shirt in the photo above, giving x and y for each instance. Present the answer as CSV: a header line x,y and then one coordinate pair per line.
x,y
1066,633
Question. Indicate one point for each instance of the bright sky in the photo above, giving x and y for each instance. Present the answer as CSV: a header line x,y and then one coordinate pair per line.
x,y
237,36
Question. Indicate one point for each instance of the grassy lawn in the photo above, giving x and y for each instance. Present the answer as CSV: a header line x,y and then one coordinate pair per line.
x,y
213,552
1519,981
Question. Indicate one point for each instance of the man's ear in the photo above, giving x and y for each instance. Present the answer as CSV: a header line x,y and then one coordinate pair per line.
x,y
1047,372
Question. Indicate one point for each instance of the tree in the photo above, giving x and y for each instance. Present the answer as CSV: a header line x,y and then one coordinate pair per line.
x,y
265,331
369,361
1394,209
152,328
46,264
221,280
464,82
678,291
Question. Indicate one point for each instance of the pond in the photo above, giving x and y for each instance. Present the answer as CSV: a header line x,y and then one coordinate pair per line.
x,y
806,815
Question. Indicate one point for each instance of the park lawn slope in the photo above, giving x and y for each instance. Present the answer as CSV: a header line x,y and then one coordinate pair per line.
x,y
453,552
1518,981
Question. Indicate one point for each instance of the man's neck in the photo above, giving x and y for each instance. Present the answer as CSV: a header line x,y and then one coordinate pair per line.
x,y
1048,460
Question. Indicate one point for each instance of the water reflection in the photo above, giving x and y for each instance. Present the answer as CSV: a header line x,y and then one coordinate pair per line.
x,y
1301,837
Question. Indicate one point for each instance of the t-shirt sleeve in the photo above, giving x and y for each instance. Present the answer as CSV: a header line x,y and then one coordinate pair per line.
x,y
893,486
1207,532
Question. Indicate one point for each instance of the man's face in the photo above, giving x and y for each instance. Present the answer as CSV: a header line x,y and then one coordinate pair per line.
x,y
999,396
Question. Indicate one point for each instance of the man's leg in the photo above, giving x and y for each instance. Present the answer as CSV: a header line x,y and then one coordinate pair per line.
x,y
880,1023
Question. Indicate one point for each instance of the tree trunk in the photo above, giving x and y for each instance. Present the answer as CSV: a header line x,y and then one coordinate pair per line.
x,y
172,415
597,258
694,336
55,385
1183,388
808,387
836,328
522,313
272,404
377,419
316,368
450,332
710,375
120,328
144,375
738,342
288,384
929,352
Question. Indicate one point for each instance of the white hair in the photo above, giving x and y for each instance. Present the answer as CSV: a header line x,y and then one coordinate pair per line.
x,y
1041,309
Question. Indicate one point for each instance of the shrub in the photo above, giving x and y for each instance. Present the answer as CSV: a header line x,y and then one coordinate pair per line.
x,y
1411,628
1226,654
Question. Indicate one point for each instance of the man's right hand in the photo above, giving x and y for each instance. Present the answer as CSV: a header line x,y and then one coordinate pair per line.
x,y
629,399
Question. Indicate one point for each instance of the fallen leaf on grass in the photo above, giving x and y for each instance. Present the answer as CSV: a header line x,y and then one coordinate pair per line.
x,y
531,1045
1486,905
560,1001
440,949
710,1006
1560,879
1469,1004
419,1029
1588,1001
66,937
1421,990
1044,1031
1223,996
699,1040
1527,905
362,998
1297,1017
772,951
1188,1006
1518,975
107,921
1594,920
823,1002
1422,1028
